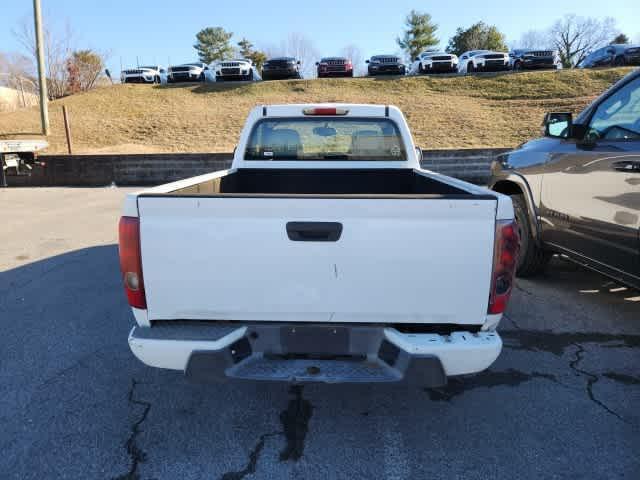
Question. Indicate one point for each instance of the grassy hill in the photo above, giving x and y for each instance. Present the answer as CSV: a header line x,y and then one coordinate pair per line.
x,y
482,111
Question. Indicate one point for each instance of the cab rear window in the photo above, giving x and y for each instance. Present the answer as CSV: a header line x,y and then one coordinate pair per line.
x,y
325,139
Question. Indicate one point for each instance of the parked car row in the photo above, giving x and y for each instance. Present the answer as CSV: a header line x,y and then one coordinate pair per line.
x,y
428,62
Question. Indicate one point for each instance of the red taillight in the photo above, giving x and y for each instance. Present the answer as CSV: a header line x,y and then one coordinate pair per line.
x,y
325,111
505,256
131,261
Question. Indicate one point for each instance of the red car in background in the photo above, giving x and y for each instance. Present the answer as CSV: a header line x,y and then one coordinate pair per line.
x,y
335,67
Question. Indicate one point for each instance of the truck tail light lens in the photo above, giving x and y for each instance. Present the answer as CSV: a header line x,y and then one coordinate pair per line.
x,y
131,261
325,111
505,257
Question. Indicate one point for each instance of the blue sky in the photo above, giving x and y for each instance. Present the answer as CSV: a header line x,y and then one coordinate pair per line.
x,y
156,30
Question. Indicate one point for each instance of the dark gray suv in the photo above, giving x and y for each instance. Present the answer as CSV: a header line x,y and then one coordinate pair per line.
x,y
576,191
612,56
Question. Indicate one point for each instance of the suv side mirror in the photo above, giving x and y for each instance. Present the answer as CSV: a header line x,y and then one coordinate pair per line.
x,y
558,124
417,59
298,62
419,154
366,61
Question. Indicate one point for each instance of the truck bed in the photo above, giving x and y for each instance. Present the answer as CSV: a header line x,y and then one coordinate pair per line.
x,y
239,245
369,182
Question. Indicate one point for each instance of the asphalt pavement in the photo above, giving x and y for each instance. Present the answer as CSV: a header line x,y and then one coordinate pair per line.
x,y
562,401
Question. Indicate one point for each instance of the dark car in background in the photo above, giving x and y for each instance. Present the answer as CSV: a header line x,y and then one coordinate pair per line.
x,y
279,68
576,191
530,59
386,65
334,67
612,56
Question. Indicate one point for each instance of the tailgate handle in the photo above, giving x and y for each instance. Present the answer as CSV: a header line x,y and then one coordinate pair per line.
x,y
314,231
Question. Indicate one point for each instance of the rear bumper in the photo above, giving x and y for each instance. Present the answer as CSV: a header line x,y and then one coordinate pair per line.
x,y
207,351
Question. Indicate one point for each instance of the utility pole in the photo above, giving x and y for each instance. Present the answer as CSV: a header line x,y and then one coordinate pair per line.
x,y
42,76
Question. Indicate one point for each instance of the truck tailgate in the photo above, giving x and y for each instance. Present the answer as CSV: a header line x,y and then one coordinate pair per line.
x,y
418,260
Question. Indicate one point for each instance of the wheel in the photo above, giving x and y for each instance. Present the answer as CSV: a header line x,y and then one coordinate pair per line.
x,y
250,76
619,62
156,79
517,67
350,74
532,260
470,67
202,77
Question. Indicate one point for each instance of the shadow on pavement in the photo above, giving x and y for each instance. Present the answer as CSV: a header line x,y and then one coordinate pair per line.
x,y
75,403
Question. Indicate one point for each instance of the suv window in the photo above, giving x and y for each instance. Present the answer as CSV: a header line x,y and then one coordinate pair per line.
x,y
325,138
618,117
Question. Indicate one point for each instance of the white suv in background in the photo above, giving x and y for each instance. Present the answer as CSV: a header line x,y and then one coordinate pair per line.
x,y
483,61
236,69
189,72
434,61
144,74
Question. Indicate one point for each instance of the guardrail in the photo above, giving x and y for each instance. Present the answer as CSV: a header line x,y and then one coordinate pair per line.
x,y
153,169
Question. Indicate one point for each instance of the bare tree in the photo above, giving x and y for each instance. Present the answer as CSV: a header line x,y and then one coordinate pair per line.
x,y
15,68
574,37
353,53
535,39
57,50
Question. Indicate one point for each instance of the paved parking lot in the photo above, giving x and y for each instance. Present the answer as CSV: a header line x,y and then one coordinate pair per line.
x,y
561,401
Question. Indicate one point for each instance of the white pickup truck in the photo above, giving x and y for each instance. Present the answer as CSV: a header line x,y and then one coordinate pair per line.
x,y
325,254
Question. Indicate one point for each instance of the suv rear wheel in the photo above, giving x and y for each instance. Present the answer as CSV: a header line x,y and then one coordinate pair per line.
x,y
532,259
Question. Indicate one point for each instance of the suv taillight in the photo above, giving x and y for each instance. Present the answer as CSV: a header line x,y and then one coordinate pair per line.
x,y
505,256
131,261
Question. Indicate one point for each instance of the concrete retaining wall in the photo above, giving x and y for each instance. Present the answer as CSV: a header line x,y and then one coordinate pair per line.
x,y
153,169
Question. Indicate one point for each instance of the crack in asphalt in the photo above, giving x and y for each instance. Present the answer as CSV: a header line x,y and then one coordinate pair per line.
x,y
254,455
523,290
295,423
621,378
592,378
486,379
558,342
136,454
